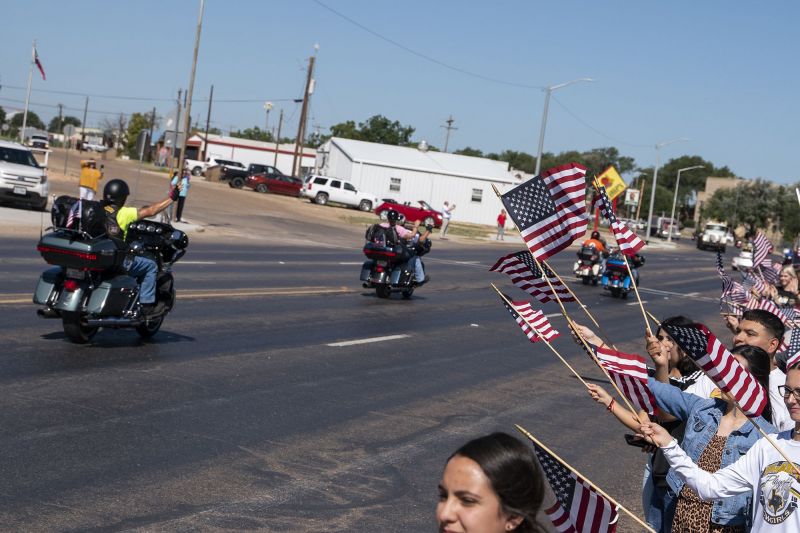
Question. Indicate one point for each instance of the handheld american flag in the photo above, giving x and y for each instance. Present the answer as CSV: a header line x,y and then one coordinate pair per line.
x,y
794,348
629,243
762,247
550,210
731,290
629,372
720,365
768,305
527,275
580,508
524,314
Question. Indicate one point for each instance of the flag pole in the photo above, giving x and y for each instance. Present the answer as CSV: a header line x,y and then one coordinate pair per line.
x,y
27,95
580,303
503,296
630,273
584,478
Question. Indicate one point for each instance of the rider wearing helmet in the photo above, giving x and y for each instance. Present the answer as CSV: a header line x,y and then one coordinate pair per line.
x,y
119,218
392,218
597,242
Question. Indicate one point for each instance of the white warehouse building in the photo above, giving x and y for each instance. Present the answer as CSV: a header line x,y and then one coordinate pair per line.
x,y
410,174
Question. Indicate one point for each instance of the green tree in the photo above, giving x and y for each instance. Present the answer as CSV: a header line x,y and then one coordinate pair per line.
x,y
33,122
136,123
753,204
788,212
473,152
56,124
376,129
2,116
519,160
255,134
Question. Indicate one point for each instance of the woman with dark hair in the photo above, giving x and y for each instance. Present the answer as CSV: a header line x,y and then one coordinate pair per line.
x,y
716,435
492,484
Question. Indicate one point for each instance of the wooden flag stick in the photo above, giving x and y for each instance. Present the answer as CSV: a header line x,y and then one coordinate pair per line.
x,y
657,321
503,296
630,273
580,303
584,478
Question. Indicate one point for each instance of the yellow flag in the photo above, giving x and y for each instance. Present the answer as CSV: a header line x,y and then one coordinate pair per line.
x,y
612,181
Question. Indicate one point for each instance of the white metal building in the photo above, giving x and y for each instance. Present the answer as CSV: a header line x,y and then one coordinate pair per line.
x,y
409,174
247,151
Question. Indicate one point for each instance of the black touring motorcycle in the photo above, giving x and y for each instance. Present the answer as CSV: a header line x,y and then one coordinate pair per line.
x,y
388,268
88,288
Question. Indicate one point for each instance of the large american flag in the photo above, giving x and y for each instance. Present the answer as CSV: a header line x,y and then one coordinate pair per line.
x,y
761,248
629,372
580,508
629,243
550,210
720,365
527,275
524,314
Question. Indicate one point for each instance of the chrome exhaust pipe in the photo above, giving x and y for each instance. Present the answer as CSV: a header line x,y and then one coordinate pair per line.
x,y
47,313
114,322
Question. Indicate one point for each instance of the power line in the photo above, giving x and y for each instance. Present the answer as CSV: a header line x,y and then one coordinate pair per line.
x,y
423,56
602,134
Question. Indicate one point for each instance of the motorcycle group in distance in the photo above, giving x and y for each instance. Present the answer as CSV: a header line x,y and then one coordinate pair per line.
x,y
596,263
393,254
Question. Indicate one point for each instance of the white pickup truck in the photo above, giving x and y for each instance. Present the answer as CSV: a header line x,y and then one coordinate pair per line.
x,y
197,167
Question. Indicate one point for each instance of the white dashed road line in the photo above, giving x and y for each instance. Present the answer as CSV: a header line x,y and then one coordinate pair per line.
x,y
367,341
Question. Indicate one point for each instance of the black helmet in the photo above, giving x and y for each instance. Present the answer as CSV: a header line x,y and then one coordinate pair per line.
x,y
116,192
392,215
596,235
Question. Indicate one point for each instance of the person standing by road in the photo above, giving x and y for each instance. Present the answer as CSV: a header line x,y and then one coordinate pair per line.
x,y
184,192
446,214
501,225
89,179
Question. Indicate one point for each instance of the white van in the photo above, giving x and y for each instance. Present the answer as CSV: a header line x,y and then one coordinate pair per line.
x,y
22,180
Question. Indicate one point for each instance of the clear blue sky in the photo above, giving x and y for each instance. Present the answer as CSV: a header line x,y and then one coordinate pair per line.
x,y
722,73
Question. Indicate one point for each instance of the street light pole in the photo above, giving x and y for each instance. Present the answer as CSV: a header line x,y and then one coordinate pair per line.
x,y
267,108
548,91
655,180
675,199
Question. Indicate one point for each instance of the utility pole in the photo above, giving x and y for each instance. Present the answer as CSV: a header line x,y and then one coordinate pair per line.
x,y
278,140
301,128
208,122
177,133
121,124
152,127
191,86
61,120
449,127
83,124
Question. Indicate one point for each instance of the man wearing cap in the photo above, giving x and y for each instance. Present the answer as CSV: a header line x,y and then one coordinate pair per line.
x,y
90,177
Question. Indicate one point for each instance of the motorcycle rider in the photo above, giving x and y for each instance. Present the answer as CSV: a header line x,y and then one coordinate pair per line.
x,y
403,234
118,219
598,243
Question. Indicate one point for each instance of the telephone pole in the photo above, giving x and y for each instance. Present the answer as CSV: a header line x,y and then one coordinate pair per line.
x,y
449,127
152,127
208,122
61,119
83,124
188,115
278,140
301,128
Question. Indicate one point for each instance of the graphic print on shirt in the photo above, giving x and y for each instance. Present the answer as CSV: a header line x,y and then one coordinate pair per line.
x,y
780,489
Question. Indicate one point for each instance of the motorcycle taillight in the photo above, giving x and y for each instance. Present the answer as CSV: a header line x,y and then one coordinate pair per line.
x,y
71,285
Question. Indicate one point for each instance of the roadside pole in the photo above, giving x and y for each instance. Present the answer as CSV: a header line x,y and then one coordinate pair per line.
x,y
188,113
301,128
278,140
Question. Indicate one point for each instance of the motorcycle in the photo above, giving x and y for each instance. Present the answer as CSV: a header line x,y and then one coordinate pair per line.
x,y
616,277
588,265
388,268
88,287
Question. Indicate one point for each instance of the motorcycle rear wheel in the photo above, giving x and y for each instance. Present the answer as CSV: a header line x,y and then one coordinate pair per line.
x,y
76,331
383,291
407,293
585,280
150,328
615,292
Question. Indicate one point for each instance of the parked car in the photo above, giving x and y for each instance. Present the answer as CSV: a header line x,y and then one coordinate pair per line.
x,y
38,140
236,176
275,183
322,189
94,147
22,180
197,167
423,211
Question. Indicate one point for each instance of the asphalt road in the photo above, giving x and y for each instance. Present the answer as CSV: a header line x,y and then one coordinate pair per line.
x,y
243,413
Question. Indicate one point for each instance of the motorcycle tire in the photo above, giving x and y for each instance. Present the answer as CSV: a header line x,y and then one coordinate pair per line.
x,y
594,283
615,292
383,291
150,328
624,295
407,293
76,331
585,280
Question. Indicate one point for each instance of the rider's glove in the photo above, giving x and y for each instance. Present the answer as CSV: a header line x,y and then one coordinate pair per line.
x,y
174,193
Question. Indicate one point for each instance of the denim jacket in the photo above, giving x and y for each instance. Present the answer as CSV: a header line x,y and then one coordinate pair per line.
x,y
702,417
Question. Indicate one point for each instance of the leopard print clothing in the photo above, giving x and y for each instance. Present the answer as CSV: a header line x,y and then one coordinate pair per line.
x,y
692,515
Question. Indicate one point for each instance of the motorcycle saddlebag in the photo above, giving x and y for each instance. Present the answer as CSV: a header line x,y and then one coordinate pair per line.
x,y
62,248
366,268
616,265
47,281
112,296
377,251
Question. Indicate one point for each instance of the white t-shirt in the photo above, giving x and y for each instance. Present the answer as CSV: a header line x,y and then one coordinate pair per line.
x,y
446,211
705,387
763,470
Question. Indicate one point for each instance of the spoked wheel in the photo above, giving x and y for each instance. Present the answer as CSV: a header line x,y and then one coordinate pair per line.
x,y
383,291
407,293
150,328
75,330
262,188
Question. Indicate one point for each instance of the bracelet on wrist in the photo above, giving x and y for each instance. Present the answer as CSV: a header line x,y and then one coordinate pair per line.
x,y
611,405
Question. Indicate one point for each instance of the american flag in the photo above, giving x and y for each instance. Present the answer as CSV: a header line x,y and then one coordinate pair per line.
x,y
761,248
74,213
629,372
38,63
550,210
629,243
794,348
768,305
524,314
770,270
580,508
720,365
526,275
732,290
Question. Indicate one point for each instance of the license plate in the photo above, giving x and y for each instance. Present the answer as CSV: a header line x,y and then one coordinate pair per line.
x,y
75,273
20,190
382,263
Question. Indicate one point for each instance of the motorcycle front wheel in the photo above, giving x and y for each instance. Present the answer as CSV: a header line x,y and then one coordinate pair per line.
x,y
407,293
76,331
150,328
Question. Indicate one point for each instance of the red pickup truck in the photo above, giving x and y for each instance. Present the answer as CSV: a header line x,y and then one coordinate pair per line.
x,y
423,212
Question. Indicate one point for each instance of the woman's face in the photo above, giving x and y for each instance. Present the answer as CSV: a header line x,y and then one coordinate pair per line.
x,y
467,501
669,346
786,278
